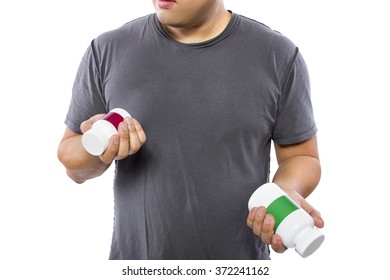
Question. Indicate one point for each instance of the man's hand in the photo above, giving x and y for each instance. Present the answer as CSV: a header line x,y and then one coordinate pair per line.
x,y
263,224
81,166
130,138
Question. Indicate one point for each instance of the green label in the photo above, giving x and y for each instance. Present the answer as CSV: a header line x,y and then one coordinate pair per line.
x,y
280,208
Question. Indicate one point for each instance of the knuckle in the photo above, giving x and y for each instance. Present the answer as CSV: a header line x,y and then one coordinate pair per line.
x,y
135,148
123,132
249,223
105,159
120,155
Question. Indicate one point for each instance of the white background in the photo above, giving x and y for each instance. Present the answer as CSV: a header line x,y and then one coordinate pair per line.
x,y
52,228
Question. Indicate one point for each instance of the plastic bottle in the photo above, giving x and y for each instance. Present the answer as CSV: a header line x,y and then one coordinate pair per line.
x,y
96,139
293,224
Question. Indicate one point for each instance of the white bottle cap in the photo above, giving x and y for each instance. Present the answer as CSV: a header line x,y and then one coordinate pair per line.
x,y
308,241
95,140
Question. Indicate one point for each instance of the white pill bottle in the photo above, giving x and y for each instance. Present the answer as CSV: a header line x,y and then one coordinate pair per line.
x,y
293,224
95,140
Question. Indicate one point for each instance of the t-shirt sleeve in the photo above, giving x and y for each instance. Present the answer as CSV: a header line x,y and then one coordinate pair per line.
x,y
295,120
87,94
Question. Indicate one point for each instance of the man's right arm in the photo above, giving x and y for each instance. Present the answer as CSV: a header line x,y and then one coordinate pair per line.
x,y
81,166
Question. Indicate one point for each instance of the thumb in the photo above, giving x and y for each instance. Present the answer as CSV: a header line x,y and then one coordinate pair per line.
x,y
316,215
86,125
318,221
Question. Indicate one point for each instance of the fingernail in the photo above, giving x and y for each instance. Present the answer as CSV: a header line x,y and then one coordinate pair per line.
x,y
268,220
261,211
274,240
124,126
130,121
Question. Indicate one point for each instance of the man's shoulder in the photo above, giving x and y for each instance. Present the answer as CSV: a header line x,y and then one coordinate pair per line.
x,y
264,34
131,28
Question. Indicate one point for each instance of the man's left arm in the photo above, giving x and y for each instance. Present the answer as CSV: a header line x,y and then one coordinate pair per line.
x,y
299,167
298,175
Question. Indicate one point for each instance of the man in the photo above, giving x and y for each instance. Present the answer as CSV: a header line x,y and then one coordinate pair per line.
x,y
211,89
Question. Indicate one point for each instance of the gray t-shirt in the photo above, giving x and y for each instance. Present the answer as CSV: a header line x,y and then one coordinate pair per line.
x,y
210,111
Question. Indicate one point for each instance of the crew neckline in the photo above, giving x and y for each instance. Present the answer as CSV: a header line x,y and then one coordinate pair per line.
x,y
223,35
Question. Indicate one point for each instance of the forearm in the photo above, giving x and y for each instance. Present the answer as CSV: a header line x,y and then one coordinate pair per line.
x,y
298,173
80,165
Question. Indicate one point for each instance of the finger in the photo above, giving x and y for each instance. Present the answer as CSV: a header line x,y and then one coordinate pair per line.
x,y
86,125
277,244
251,217
140,132
267,230
259,220
112,150
124,144
135,143
318,221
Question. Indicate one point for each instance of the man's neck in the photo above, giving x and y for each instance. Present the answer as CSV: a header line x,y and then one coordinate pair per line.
x,y
203,31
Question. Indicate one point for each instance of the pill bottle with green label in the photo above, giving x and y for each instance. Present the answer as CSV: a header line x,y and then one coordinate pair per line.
x,y
95,140
293,224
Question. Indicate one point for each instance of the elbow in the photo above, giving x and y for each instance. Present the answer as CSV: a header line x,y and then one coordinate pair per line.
x,y
74,177
311,175
316,173
64,158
